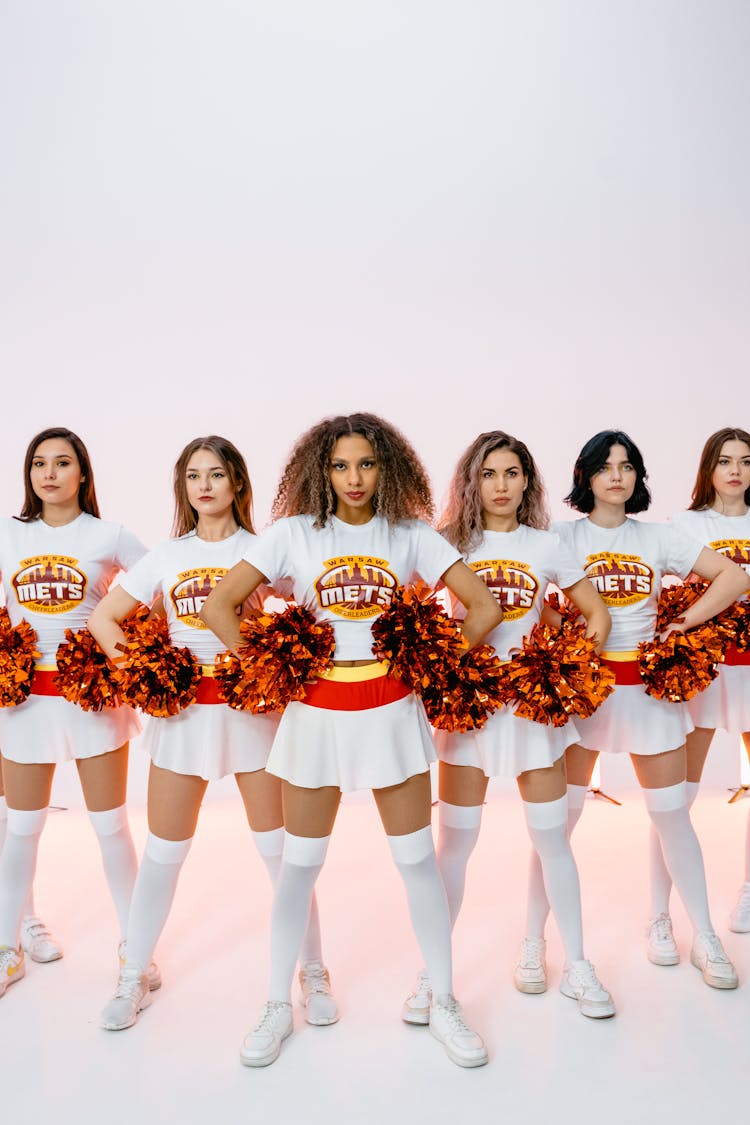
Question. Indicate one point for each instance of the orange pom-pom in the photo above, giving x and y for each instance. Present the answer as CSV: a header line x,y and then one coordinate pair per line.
x,y
155,675
674,600
567,609
740,619
85,675
280,653
18,652
558,674
417,638
464,694
683,664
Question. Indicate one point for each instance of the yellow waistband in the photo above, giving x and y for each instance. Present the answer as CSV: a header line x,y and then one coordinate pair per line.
x,y
356,675
620,656
45,667
208,670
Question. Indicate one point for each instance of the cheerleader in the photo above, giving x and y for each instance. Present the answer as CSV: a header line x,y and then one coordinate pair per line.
x,y
625,560
348,530
718,517
496,516
213,529
58,559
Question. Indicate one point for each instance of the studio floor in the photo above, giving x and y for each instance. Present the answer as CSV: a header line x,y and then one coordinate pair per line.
x,y
676,1047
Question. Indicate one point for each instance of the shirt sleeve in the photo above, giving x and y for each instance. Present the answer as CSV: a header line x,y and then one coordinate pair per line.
x,y
566,571
269,553
434,554
129,549
682,553
143,580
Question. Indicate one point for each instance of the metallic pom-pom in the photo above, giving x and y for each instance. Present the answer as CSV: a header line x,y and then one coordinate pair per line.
x,y
682,665
85,675
417,638
466,693
740,620
558,674
280,653
18,652
567,609
674,600
155,676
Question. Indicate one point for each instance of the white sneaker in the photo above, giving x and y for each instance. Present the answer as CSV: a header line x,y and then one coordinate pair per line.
x,y
131,996
262,1045
708,955
530,973
581,983
462,1045
12,967
661,948
739,919
317,1000
417,1004
153,976
37,941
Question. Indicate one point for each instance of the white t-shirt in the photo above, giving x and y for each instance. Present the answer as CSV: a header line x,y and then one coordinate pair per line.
x,y
54,576
346,574
626,565
729,535
184,571
518,566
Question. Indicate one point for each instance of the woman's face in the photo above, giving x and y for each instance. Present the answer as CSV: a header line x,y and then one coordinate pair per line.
x,y
614,483
731,477
55,473
502,484
353,472
209,489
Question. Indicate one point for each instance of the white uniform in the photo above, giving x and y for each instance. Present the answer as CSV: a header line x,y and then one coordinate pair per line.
x,y
346,575
725,704
207,740
626,565
517,566
53,577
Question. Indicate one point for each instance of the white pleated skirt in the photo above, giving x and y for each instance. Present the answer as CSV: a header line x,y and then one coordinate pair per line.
x,y
369,749
725,704
210,740
631,722
507,745
47,728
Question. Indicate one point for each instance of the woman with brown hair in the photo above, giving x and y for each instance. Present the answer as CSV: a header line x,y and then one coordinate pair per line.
x,y
213,529
718,517
349,527
58,559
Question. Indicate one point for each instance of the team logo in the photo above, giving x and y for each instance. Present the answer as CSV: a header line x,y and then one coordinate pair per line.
x,y
49,584
738,550
355,586
191,590
512,583
620,579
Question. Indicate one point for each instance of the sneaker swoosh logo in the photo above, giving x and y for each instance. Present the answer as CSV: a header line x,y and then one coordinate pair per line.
x,y
13,969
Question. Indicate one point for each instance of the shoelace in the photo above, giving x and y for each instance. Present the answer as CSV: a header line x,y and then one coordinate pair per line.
x,y
452,1009
661,927
128,984
316,980
423,984
532,951
7,957
713,947
270,1009
585,975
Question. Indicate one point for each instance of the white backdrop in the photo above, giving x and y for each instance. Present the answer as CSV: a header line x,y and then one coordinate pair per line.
x,y
237,217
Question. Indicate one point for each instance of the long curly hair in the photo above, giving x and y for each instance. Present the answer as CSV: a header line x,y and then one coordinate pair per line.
x,y
403,489
87,502
461,521
233,463
703,492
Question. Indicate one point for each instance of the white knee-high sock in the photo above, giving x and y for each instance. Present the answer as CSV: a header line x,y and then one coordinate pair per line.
x,y
747,850
303,859
459,832
547,823
270,847
667,808
661,882
17,866
119,858
537,908
152,897
3,821
414,855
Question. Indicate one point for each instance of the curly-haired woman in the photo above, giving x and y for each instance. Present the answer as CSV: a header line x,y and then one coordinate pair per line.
x,y
349,528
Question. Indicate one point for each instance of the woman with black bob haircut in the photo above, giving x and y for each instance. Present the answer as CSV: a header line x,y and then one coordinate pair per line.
x,y
626,560
349,527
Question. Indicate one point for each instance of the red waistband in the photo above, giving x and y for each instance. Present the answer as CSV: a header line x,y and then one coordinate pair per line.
x,y
208,691
44,682
627,672
733,656
360,695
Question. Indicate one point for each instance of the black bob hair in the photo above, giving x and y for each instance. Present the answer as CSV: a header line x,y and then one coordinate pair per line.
x,y
593,457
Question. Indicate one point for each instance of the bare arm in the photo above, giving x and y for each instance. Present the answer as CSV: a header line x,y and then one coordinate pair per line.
x,y
220,607
587,599
728,583
483,613
104,622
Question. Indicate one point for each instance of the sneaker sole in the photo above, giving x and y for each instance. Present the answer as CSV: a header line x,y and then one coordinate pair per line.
x,y
459,1060
418,1017
326,1021
602,1011
43,960
124,1026
712,981
663,958
266,1060
737,928
530,988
